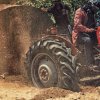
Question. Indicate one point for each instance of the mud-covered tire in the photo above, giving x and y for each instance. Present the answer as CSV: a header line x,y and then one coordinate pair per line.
x,y
50,64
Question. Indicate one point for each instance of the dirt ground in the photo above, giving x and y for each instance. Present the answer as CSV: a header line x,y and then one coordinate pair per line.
x,y
17,88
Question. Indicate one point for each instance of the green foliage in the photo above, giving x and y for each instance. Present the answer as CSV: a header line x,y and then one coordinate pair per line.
x,y
38,3
24,2
73,4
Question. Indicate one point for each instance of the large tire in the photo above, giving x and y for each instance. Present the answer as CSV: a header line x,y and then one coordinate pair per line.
x,y
49,64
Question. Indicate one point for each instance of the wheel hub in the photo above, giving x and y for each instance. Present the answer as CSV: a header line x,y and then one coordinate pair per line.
x,y
43,73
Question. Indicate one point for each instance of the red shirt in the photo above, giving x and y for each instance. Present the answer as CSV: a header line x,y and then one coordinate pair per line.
x,y
80,20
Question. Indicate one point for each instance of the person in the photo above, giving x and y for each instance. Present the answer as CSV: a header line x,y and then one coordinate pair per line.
x,y
60,12
95,2
83,31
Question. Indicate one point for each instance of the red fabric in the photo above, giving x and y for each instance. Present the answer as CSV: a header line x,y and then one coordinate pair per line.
x,y
80,19
98,35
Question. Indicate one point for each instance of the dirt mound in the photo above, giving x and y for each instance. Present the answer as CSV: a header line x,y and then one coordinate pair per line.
x,y
51,93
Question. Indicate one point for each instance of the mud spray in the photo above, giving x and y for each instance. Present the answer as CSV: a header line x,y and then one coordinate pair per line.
x,y
19,26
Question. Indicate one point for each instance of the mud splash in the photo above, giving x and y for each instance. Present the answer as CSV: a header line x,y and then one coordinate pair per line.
x,y
19,27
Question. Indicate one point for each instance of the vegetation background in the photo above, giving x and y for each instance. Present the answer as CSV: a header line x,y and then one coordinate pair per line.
x,y
73,4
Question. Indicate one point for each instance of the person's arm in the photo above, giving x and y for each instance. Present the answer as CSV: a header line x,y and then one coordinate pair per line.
x,y
78,23
44,9
49,10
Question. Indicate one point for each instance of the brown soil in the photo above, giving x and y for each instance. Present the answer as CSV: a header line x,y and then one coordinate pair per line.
x,y
17,88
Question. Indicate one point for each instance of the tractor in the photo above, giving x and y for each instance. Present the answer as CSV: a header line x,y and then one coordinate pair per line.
x,y
52,61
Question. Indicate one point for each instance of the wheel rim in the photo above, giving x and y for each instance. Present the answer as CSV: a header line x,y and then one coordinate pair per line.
x,y
43,73
42,70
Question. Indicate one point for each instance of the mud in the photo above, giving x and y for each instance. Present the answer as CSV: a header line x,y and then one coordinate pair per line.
x,y
19,27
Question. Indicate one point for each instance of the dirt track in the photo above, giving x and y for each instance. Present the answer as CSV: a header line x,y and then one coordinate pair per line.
x,y
16,88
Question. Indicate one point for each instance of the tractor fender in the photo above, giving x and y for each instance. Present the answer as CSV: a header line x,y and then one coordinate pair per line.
x,y
65,40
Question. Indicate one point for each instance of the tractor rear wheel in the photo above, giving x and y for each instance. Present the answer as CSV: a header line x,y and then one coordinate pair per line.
x,y
49,64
